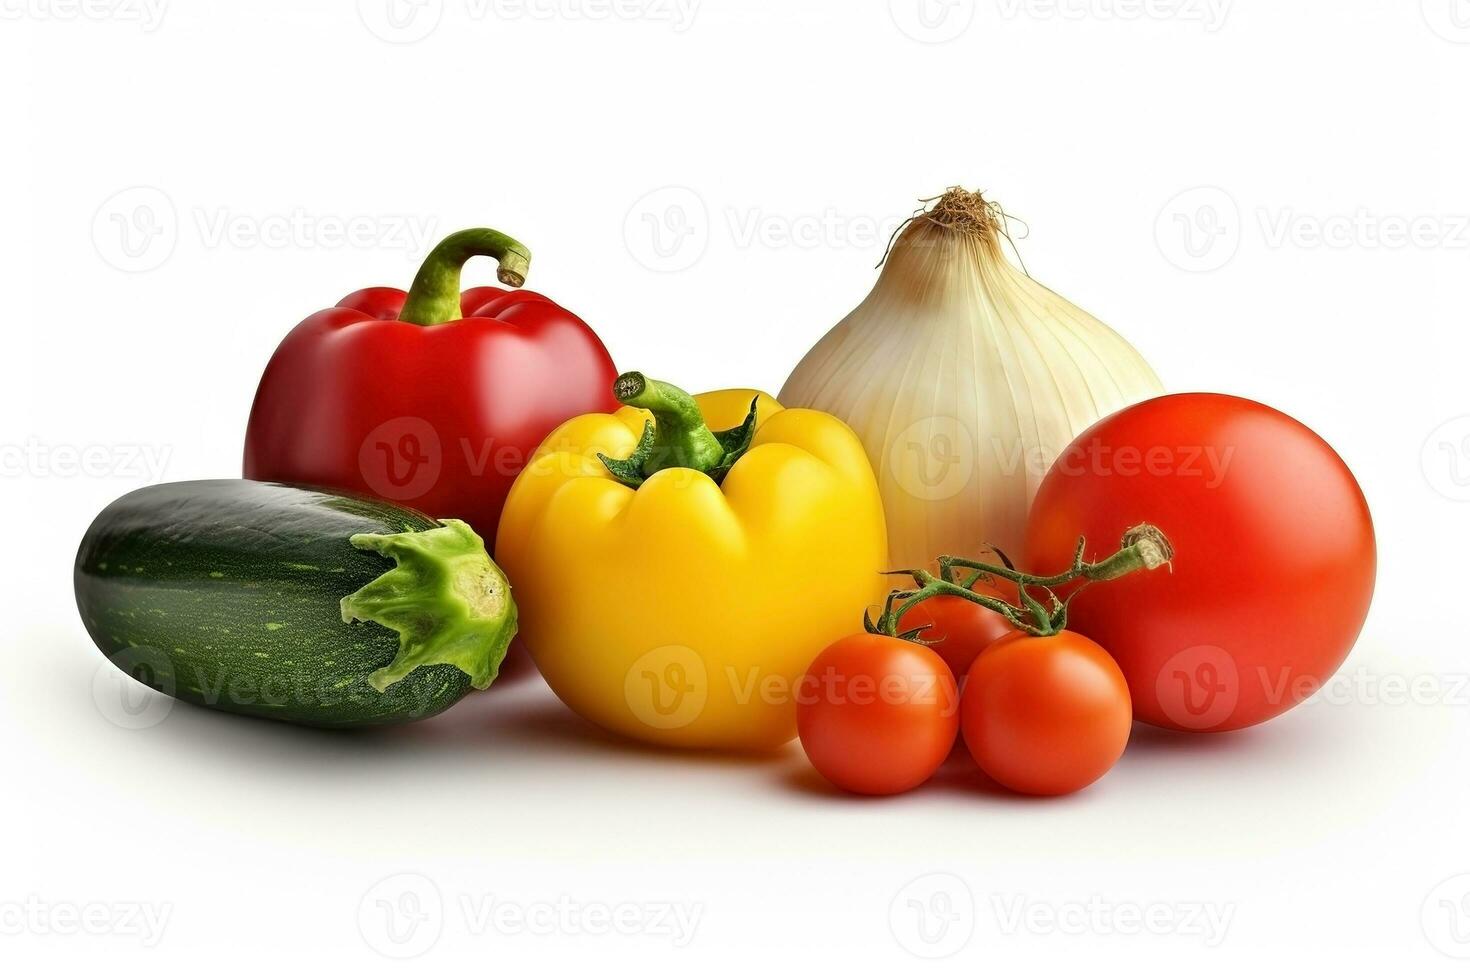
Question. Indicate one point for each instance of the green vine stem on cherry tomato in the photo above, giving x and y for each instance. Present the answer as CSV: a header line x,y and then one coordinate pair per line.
x,y
1144,548
434,296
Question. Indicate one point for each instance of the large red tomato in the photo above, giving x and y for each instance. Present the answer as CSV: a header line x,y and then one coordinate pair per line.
x,y
1274,564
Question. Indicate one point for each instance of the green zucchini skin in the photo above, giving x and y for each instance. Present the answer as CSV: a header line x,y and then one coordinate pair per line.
x,y
226,594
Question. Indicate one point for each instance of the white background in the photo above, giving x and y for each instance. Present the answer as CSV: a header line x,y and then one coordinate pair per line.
x,y
171,183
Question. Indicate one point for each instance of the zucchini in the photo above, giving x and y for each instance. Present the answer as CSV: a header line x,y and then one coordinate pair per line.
x,y
292,603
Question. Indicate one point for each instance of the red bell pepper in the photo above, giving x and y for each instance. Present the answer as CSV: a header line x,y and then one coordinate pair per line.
x,y
432,398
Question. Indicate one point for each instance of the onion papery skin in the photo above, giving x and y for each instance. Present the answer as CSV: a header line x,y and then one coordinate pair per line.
x,y
965,379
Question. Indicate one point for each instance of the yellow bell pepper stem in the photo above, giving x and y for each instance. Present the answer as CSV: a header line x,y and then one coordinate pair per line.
x,y
677,436
680,437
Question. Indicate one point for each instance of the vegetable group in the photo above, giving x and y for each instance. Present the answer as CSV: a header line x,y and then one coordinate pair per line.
x,y
691,570
433,398
293,604
674,583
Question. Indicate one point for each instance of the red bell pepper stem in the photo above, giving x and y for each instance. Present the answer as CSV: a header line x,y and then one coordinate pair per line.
x,y
434,296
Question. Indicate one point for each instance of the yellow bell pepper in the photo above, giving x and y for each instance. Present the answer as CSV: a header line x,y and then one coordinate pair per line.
x,y
674,582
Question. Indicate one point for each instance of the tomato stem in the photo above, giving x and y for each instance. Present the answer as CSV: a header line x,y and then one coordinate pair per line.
x,y
1144,548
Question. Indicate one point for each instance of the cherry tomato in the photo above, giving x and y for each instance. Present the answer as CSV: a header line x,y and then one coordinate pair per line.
x,y
960,629
1274,555
1045,715
876,714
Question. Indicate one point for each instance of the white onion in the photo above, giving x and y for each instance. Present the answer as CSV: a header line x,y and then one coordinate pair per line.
x,y
965,379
